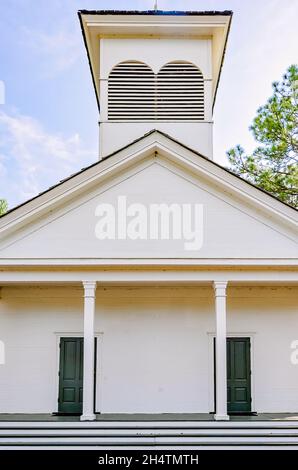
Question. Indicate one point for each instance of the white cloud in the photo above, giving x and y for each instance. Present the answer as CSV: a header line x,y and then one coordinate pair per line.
x,y
31,159
57,52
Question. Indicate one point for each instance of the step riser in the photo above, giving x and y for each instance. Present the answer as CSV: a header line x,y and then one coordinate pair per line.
x,y
154,448
148,424
84,433
183,440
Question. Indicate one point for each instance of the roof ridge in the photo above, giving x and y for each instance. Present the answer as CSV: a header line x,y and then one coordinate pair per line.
x,y
158,12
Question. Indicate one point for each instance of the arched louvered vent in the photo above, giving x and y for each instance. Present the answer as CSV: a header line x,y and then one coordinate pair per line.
x,y
135,93
180,92
131,92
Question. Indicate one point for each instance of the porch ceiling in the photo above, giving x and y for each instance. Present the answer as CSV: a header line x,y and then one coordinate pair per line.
x,y
172,275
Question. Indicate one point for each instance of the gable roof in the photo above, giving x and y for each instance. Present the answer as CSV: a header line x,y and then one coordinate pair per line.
x,y
98,164
239,208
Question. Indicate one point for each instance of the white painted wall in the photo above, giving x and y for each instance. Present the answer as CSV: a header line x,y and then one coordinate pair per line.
x,y
272,317
196,135
155,346
155,53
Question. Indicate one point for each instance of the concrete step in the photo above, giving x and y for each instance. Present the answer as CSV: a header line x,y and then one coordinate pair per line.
x,y
154,447
148,424
147,435
133,440
86,432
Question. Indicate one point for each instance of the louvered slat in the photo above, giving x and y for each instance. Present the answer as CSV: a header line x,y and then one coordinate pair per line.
x,y
131,89
135,93
184,81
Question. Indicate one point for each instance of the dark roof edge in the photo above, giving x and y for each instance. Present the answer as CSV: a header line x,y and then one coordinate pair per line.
x,y
134,142
88,57
77,173
222,60
226,169
157,12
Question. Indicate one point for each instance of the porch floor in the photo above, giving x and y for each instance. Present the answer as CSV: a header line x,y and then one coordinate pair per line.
x,y
20,417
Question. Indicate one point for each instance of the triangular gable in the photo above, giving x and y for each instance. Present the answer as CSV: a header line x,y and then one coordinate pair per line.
x,y
239,221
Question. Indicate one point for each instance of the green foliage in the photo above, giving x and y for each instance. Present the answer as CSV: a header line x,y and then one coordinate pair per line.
x,y
3,206
273,165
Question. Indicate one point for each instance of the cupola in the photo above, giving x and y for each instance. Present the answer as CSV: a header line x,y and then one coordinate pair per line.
x,y
155,70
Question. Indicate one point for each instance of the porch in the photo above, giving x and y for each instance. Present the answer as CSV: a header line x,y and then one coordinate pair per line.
x,y
146,417
144,315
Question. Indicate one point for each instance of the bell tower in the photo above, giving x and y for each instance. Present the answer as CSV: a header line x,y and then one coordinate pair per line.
x,y
155,70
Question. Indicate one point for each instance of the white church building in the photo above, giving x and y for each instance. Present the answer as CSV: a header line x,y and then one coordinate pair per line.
x,y
154,285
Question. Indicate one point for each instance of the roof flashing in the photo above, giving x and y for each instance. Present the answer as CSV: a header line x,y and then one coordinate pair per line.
x,y
157,12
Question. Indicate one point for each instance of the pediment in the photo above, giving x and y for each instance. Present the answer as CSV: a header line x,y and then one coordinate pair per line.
x,y
230,223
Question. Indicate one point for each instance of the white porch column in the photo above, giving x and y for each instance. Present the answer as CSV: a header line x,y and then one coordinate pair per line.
x,y
88,379
221,413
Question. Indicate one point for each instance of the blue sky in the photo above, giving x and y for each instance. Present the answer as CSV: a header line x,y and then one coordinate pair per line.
x,y
49,122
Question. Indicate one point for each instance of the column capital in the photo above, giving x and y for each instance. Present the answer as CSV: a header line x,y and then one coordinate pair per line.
x,y
89,288
220,288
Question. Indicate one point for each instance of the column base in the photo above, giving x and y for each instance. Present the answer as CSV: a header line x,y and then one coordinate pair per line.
x,y
91,417
221,417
